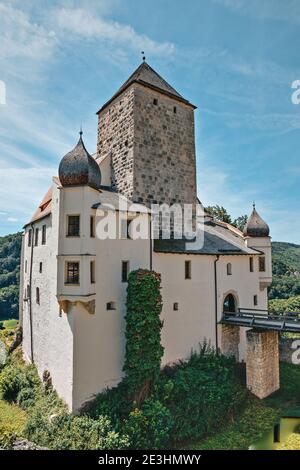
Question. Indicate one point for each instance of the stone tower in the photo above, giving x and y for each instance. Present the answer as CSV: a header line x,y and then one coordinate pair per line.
x,y
147,131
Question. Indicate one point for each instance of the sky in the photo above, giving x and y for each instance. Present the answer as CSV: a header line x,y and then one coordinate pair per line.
x,y
235,60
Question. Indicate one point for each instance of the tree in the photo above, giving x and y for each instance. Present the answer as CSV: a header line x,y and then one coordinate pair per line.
x,y
240,222
219,213
143,333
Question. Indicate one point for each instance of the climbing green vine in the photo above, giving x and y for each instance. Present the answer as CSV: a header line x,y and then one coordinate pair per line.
x,y
143,333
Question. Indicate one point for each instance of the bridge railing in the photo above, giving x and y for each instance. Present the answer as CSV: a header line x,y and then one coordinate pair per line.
x,y
253,317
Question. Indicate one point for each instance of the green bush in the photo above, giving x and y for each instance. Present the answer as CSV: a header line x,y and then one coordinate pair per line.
x,y
68,432
200,394
26,398
14,378
150,426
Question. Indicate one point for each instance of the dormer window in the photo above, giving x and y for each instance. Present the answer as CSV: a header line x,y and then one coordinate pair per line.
x,y
73,229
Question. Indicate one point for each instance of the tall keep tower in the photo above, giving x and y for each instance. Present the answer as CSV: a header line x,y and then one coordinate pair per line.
x,y
147,131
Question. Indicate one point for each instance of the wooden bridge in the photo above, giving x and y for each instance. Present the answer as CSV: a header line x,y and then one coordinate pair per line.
x,y
262,319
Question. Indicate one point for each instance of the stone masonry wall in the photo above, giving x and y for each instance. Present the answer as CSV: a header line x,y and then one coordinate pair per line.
x,y
152,146
230,339
262,364
115,137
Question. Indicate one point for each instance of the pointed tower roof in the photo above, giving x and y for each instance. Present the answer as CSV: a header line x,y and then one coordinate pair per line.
x,y
256,226
147,76
78,167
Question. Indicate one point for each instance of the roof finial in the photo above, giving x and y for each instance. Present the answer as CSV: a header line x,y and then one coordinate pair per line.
x,y
80,132
253,205
143,56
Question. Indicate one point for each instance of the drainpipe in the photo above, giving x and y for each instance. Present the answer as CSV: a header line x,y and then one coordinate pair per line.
x,y
30,293
150,238
216,301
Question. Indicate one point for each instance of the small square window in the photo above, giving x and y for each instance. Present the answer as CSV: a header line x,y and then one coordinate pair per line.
x,y
125,271
175,306
44,232
73,226
155,102
111,306
72,273
41,267
188,269
262,264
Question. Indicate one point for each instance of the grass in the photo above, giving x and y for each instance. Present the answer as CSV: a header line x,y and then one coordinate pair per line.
x,y
12,419
259,416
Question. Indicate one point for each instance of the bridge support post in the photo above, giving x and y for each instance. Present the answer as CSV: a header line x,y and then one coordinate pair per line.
x,y
230,340
262,364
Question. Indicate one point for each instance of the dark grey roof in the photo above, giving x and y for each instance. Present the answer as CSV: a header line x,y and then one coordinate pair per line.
x,y
78,167
147,76
256,226
218,240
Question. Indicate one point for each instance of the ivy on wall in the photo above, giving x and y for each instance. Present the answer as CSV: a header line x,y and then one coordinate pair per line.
x,y
143,333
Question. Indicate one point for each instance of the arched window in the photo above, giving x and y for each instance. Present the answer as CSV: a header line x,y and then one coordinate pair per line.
x,y
229,269
229,304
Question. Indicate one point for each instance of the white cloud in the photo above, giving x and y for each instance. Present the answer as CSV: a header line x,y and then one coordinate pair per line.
x,y
19,37
84,23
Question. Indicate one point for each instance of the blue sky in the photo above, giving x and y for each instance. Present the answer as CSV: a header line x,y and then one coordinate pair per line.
x,y
234,59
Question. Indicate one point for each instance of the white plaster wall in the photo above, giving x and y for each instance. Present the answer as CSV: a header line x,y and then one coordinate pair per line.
x,y
52,333
105,167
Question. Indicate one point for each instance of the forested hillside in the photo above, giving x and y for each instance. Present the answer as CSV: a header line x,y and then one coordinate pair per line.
x,y
10,249
286,270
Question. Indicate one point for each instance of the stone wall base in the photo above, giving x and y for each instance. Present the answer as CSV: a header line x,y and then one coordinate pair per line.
x,y
230,339
262,364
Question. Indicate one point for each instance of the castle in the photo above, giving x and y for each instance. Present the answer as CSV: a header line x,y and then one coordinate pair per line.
x,y
73,283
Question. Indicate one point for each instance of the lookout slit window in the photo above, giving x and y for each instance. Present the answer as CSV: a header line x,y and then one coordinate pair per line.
x,y
125,271
111,306
255,300
26,266
44,232
188,269
92,226
29,237
174,110
36,237
155,101
251,265
72,273
125,228
229,269
262,264
41,267
37,295
92,272
73,229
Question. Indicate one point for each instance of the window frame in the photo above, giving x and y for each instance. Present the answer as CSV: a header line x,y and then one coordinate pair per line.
x,y
262,264
188,269
92,226
44,234
92,272
68,233
36,236
124,276
67,282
